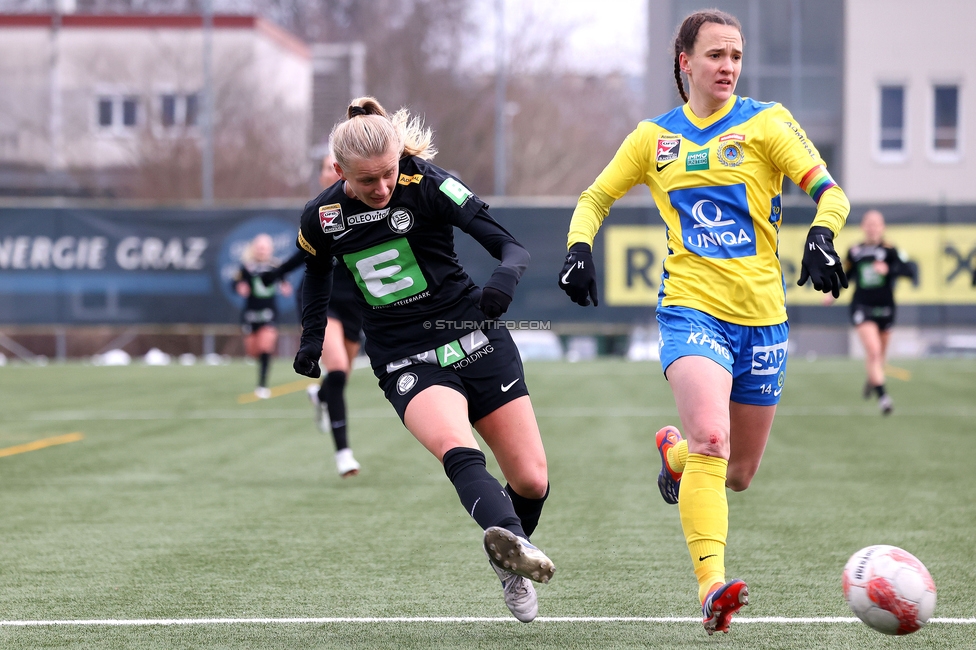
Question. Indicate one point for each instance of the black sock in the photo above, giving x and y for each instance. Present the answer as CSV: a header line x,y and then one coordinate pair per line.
x,y
880,390
528,510
334,386
481,494
264,360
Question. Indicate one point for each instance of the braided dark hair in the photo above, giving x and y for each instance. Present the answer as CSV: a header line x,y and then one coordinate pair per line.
x,y
687,35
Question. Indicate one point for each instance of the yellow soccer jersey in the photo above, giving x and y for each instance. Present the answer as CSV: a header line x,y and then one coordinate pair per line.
x,y
717,183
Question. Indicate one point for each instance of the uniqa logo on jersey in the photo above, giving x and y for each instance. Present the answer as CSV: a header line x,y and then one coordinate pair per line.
x,y
715,221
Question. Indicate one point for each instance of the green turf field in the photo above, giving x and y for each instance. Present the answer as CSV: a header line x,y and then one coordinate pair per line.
x,y
178,502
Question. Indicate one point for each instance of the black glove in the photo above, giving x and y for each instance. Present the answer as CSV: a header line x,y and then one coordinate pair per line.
x,y
494,303
911,269
307,363
821,264
578,277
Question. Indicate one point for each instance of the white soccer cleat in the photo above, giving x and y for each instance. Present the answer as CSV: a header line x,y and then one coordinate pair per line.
x,y
519,594
345,463
886,404
262,392
321,410
508,551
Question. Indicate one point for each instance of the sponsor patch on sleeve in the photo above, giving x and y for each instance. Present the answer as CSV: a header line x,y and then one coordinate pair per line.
x,y
455,191
304,243
330,218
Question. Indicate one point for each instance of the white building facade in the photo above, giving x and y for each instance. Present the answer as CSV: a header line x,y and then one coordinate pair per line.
x,y
102,91
910,106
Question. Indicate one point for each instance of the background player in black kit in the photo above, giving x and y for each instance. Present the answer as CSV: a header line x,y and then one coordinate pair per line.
x,y
260,311
874,265
391,224
342,340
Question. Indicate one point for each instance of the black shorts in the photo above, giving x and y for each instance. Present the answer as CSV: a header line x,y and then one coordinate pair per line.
x,y
348,313
882,315
489,377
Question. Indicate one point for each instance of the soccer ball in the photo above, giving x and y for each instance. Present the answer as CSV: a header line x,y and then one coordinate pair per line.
x,y
889,589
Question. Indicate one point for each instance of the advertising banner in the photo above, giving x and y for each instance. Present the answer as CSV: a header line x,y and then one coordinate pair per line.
x,y
131,266
161,266
946,256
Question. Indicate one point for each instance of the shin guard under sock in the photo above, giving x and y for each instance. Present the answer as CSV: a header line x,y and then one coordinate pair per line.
x,y
704,511
528,510
334,387
481,494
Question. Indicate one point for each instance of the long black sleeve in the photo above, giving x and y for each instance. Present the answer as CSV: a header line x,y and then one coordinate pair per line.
x,y
316,290
292,263
501,245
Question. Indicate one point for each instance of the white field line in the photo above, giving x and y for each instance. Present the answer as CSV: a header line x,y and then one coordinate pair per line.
x,y
144,622
385,413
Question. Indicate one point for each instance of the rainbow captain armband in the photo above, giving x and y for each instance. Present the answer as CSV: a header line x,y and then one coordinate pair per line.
x,y
817,181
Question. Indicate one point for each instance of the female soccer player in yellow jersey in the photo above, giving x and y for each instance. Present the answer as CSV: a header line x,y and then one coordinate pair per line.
x,y
715,168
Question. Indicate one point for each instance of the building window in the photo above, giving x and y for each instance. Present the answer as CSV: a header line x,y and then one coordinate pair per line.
x,y
178,110
129,111
892,118
117,112
946,132
167,113
192,110
105,112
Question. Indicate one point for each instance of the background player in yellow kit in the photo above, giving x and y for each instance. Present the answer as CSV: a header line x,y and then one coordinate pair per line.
x,y
715,168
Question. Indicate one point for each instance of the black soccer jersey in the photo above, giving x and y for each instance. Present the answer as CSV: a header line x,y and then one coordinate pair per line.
x,y
401,257
874,288
260,307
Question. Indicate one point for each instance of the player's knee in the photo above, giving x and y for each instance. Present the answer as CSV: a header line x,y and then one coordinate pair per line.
x,y
739,479
531,483
710,442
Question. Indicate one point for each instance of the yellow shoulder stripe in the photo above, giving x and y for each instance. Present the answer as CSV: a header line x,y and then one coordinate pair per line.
x,y
304,243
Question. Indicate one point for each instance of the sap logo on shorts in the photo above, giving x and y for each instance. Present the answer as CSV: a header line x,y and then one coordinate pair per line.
x,y
406,382
707,339
768,359
330,218
715,221
367,217
401,220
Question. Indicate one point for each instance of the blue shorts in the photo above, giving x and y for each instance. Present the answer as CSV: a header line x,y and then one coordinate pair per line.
x,y
755,356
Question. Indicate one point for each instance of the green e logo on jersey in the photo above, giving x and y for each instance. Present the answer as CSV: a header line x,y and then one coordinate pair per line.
x,y
387,272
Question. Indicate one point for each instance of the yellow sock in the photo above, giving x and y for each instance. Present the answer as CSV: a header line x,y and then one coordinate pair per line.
x,y
677,456
704,511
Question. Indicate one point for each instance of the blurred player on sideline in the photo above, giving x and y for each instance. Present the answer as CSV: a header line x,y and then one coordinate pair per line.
x,y
260,311
340,348
443,361
715,168
874,265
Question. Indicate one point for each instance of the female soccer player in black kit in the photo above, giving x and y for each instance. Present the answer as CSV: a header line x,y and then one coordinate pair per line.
x,y
260,311
441,363
874,265
342,339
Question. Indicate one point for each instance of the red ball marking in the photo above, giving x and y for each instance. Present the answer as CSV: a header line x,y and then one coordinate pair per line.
x,y
882,593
